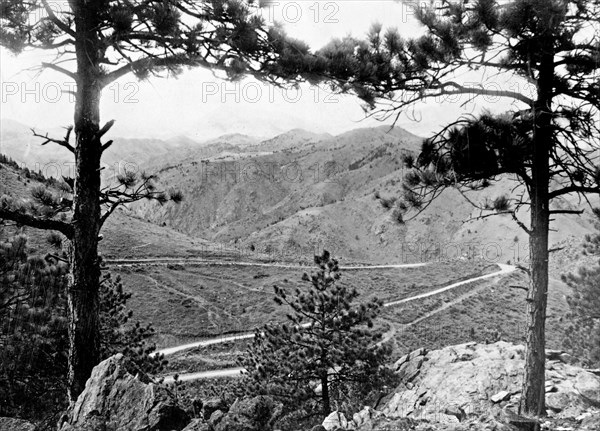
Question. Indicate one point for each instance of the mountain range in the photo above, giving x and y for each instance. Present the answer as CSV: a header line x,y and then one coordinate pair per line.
x,y
299,192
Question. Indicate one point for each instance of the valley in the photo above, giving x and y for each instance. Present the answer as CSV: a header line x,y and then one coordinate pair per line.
x,y
256,211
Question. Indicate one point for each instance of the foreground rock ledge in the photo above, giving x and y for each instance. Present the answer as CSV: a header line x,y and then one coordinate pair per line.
x,y
118,396
477,387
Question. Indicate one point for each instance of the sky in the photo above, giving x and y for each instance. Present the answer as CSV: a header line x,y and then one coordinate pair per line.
x,y
200,106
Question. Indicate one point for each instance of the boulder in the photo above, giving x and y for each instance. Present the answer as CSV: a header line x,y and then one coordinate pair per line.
x,y
500,396
215,418
254,414
212,405
119,396
335,421
366,415
197,425
591,421
13,424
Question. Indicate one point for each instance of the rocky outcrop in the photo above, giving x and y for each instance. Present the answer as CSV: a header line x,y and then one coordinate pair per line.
x,y
118,396
471,378
478,386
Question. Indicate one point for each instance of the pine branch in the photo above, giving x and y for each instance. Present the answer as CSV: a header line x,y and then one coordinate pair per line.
x,y
60,70
63,143
37,222
573,189
105,129
56,21
578,212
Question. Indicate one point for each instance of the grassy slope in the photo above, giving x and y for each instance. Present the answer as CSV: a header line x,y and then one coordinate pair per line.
x,y
497,311
195,302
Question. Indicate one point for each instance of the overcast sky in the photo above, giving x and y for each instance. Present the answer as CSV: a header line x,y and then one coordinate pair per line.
x,y
199,106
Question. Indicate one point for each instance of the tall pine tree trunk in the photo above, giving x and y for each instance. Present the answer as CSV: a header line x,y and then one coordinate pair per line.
x,y
533,400
83,289
325,393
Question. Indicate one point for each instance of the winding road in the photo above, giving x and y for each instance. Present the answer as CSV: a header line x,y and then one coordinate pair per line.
x,y
206,262
233,372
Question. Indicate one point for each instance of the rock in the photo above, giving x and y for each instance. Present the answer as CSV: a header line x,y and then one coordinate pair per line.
x,y
197,425
456,411
410,369
396,424
254,414
197,407
588,385
215,418
566,358
500,396
553,355
119,396
591,421
525,424
318,428
410,356
212,405
463,376
365,416
334,421
402,404
13,424
479,379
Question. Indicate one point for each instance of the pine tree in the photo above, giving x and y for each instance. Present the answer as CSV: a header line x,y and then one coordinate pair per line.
x,y
551,52
34,331
118,334
324,352
97,43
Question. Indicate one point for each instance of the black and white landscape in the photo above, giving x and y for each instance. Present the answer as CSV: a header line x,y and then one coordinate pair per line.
x,y
229,216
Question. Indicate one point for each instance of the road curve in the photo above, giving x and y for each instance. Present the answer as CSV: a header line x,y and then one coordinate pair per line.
x,y
236,372
504,269
223,339
228,372
206,262
202,343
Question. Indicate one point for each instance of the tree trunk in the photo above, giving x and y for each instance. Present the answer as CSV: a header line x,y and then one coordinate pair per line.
x,y
533,395
325,394
83,289
534,380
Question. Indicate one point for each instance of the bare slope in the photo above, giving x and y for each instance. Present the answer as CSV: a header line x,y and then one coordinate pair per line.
x,y
299,192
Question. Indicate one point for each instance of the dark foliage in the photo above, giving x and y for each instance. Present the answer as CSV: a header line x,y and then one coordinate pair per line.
x,y
33,332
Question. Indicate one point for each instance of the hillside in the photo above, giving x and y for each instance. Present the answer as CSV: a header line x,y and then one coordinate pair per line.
x,y
124,234
230,207
299,192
